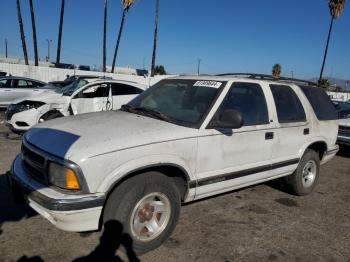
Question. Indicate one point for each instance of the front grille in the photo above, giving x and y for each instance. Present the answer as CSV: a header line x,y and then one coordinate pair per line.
x,y
344,131
34,164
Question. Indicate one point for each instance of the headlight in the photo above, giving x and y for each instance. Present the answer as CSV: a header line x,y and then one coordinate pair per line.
x,y
63,177
26,105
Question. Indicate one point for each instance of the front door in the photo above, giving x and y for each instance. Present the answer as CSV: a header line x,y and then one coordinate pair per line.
x,y
93,98
233,158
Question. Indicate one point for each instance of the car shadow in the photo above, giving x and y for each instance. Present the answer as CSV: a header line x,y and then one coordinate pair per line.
x,y
113,238
9,210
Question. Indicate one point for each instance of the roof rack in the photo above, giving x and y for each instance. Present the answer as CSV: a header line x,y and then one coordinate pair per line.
x,y
269,77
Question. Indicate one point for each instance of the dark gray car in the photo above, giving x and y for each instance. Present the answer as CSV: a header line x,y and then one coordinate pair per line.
x,y
13,88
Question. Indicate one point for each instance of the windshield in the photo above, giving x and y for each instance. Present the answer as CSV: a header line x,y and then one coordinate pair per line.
x,y
71,88
177,101
343,109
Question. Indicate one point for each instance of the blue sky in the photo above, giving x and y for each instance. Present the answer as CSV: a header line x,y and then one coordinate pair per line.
x,y
233,36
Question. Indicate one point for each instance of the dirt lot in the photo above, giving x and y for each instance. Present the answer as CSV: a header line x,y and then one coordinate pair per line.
x,y
261,223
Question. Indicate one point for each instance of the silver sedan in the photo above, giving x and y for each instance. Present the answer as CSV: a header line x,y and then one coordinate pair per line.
x,y
13,88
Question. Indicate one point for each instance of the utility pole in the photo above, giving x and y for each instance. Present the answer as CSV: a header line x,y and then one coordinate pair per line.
x,y
48,50
292,72
6,48
199,64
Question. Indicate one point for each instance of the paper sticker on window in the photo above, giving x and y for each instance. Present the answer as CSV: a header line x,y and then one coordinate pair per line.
x,y
212,84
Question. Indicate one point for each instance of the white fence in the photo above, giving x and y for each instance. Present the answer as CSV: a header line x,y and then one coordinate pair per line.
x,y
48,74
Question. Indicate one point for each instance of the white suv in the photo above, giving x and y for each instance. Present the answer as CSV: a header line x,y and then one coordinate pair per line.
x,y
183,139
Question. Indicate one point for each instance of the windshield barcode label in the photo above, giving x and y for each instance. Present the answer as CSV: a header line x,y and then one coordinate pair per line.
x,y
212,84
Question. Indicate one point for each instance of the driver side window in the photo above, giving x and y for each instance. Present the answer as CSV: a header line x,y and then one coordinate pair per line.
x,y
249,100
95,91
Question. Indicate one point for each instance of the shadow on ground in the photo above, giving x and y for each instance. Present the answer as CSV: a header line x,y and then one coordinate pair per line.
x,y
111,241
9,210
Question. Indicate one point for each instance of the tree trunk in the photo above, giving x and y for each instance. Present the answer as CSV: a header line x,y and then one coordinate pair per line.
x,y
326,50
59,42
23,38
155,39
104,37
118,39
36,57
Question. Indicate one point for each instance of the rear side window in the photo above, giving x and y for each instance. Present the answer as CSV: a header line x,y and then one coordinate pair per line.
x,y
249,100
288,106
120,90
320,102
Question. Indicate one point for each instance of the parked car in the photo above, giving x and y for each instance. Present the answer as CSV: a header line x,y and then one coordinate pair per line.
x,y
71,79
343,109
82,96
12,88
183,139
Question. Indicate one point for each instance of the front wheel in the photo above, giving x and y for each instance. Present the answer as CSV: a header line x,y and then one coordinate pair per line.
x,y
305,177
148,207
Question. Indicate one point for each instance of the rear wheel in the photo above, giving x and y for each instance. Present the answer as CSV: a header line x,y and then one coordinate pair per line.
x,y
148,207
305,177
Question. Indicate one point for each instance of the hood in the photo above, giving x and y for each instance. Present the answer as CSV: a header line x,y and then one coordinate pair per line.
x,y
47,97
87,135
344,122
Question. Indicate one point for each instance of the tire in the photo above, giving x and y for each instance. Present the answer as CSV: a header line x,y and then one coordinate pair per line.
x,y
304,179
127,205
49,116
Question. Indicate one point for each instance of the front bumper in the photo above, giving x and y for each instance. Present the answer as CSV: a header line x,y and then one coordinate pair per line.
x,y
76,213
21,120
343,140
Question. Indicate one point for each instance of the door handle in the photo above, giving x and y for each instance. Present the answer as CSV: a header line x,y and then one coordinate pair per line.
x,y
306,131
269,135
7,90
35,90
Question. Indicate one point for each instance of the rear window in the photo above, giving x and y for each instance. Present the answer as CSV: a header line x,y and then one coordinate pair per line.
x,y
288,105
320,102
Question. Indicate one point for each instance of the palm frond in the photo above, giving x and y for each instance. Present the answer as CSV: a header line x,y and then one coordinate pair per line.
x,y
127,4
336,7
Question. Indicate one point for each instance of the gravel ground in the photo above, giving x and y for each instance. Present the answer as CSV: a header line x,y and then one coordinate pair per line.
x,y
260,223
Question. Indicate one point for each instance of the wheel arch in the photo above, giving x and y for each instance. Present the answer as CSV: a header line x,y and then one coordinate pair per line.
x,y
170,170
50,112
318,146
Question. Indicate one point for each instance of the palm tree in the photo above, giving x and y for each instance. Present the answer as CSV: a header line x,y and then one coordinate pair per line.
x,y
36,57
324,83
276,70
104,37
155,39
58,56
335,9
23,38
126,6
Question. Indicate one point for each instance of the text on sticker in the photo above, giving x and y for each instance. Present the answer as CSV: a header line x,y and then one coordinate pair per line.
x,y
213,84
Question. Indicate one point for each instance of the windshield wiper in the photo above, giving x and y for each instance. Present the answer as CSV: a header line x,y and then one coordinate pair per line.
x,y
146,111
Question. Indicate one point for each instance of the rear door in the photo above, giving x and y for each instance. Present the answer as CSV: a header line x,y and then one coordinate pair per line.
x,y
21,89
93,98
5,92
293,127
123,93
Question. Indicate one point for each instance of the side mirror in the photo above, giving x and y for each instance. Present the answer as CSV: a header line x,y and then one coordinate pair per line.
x,y
229,119
90,90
